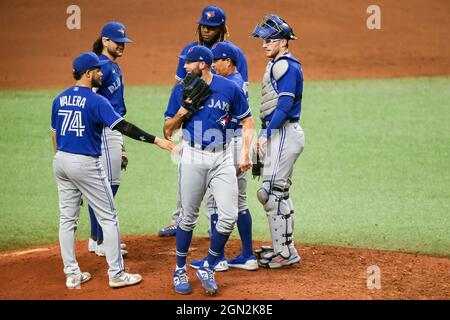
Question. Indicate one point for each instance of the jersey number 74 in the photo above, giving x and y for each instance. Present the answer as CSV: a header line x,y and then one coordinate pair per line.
x,y
72,122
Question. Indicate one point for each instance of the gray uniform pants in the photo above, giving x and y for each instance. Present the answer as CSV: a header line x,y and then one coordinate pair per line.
x,y
210,205
78,175
200,170
112,142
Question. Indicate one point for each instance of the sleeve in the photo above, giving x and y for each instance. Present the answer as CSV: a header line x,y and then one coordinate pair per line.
x,y
240,109
242,66
288,83
280,114
181,72
103,112
174,102
54,116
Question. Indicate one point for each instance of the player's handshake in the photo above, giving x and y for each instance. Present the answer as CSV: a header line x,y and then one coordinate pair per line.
x,y
167,145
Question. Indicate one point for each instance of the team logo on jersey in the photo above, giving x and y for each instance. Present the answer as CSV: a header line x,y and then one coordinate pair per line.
x,y
210,14
219,104
223,121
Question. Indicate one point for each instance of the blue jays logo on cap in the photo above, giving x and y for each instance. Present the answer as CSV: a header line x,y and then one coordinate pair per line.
x,y
198,53
212,16
115,31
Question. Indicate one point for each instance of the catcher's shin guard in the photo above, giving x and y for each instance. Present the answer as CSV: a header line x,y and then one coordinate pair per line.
x,y
281,224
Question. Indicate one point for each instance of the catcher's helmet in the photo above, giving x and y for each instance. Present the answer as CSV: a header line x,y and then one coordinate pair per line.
x,y
273,27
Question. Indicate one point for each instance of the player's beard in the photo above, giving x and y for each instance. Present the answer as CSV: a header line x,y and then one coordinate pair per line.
x,y
115,53
97,82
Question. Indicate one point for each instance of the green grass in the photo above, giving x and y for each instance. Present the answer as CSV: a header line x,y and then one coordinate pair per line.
x,y
375,172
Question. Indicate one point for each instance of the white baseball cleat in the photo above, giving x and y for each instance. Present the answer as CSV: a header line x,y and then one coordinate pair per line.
x,y
92,244
74,281
100,251
126,279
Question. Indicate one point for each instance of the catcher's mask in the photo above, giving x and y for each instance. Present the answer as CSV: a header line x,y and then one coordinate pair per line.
x,y
273,27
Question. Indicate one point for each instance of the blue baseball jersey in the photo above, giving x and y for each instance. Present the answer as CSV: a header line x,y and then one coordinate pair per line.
x,y
290,84
208,126
234,123
241,63
78,118
112,85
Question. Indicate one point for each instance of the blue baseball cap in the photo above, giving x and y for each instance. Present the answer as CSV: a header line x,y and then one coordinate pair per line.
x,y
115,31
198,53
224,50
212,16
86,61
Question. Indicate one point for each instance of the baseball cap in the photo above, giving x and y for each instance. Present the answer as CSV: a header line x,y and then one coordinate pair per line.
x,y
115,31
86,61
212,16
198,53
224,50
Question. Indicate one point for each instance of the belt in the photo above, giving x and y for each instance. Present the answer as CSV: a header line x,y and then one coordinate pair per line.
x,y
265,124
208,148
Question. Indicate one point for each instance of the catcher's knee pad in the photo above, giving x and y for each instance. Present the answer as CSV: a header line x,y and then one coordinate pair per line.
x,y
263,195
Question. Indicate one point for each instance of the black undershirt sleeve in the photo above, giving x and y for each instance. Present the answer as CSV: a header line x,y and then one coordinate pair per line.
x,y
130,130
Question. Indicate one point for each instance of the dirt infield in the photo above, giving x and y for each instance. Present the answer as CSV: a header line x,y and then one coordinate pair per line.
x,y
323,273
334,40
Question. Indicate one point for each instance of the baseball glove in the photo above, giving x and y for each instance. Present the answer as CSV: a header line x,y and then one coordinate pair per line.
x,y
124,163
195,92
256,167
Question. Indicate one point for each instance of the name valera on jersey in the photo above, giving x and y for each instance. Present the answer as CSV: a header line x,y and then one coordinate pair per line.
x,y
72,101
219,104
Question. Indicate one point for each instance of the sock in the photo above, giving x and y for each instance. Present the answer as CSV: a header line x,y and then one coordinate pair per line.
x,y
214,217
94,223
244,224
183,241
218,242
114,189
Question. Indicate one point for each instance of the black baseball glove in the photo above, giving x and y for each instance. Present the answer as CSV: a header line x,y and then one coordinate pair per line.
x,y
195,92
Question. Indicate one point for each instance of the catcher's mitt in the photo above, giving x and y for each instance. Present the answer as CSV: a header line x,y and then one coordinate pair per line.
x,y
256,167
195,92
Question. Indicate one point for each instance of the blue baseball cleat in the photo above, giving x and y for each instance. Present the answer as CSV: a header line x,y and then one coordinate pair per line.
x,y
169,231
240,262
219,266
206,276
181,282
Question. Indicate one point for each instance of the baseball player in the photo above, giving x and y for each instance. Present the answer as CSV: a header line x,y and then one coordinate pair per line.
x,y
77,120
225,57
282,140
206,160
211,29
109,47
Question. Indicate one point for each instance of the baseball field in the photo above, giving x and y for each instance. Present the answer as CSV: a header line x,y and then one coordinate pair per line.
x,y
370,189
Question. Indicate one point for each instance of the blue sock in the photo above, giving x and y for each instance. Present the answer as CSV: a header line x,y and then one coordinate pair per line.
x,y
214,217
183,241
218,242
114,189
244,224
94,223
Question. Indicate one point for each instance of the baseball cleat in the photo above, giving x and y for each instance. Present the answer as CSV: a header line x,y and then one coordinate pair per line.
x,y
100,251
206,276
221,265
126,279
123,246
263,250
278,261
181,282
241,262
169,231
92,244
74,281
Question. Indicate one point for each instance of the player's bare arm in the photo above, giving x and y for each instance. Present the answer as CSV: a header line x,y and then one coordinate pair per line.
x,y
173,124
248,130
